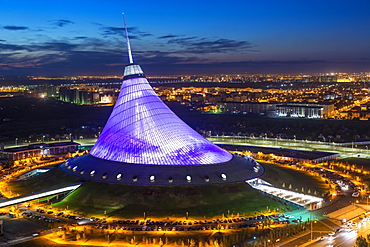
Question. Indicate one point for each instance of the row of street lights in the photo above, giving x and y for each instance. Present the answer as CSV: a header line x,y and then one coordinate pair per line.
x,y
16,141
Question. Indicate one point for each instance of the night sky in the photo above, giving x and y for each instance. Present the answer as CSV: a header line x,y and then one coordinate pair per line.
x,y
57,38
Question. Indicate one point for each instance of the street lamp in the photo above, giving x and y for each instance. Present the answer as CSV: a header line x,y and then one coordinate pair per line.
x,y
311,221
311,227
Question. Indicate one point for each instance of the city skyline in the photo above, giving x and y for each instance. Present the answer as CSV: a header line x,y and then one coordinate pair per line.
x,y
184,38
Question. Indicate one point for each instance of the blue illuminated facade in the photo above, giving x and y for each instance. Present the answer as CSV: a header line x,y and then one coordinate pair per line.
x,y
143,130
144,143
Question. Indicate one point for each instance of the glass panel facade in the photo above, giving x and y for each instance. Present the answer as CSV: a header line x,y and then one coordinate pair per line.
x,y
143,130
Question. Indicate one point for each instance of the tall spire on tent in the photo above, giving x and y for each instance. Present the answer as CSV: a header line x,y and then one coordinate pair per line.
x,y
143,130
145,143
131,60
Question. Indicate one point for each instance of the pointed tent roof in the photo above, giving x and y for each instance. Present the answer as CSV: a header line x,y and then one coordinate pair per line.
x,y
145,143
143,130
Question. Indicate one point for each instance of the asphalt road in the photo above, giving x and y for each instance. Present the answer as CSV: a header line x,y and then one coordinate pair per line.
x,y
294,144
16,229
324,226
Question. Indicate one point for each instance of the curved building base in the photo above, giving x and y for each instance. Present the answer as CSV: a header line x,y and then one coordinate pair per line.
x,y
129,201
88,167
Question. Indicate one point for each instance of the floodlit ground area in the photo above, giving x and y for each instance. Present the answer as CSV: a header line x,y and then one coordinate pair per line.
x,y
133,201
350,212
15,228
295,180
300,199
363,163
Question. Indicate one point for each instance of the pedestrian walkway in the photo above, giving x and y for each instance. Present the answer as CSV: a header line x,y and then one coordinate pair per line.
x,y
299,199
38,195
350,212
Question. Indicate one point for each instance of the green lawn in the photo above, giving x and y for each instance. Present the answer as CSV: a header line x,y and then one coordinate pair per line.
x,y
359,162
279,175
51,179
132,201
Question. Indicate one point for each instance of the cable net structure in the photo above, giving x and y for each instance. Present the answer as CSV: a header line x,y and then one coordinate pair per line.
x,y
143,130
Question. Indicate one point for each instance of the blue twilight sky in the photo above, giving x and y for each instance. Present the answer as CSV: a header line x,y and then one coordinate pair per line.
x,y
79,37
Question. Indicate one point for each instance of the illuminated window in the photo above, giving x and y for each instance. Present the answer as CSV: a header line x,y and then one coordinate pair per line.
x,y
206,178
119,176
92,173
170,179
82,171
75,168
104,175
152,178
223,176
188,178
134,178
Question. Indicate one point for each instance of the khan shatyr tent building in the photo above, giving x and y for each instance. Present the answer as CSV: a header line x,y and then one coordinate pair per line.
x,y
145,149
145,143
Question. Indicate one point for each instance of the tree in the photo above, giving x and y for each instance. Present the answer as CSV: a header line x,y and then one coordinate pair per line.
x,y
361,242
192,243
215,243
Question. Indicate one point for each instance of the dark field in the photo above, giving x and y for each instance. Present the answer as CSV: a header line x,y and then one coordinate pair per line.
x,y
359,162
278,175
22,117
298,154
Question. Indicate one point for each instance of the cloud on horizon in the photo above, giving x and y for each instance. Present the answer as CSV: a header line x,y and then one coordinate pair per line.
x,y
15,28
134,32
61,22
10,47
204,45
55,58
169,36
180,55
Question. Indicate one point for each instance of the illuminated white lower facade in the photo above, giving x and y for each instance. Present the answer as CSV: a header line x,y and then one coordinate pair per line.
x,y
38,195
299,111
